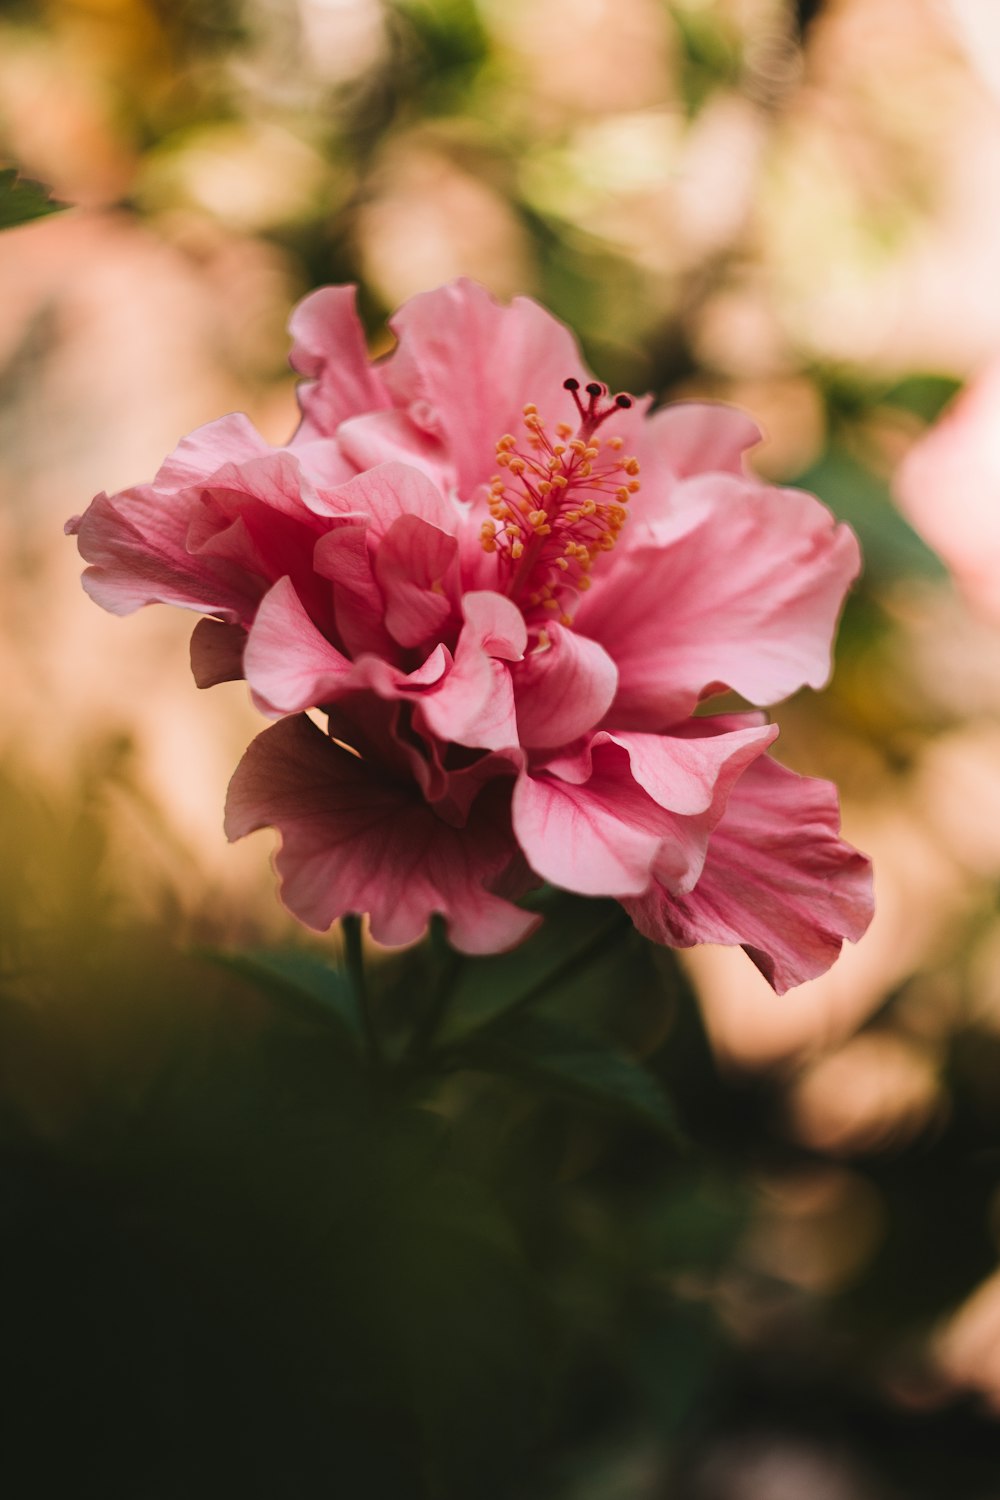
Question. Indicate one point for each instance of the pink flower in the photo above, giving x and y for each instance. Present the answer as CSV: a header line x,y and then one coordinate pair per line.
x,y
454,562
949,487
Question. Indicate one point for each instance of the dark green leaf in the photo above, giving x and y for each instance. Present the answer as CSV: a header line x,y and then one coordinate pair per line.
x,y
577,1066
571,933
302,980
22,200
925,396
856,495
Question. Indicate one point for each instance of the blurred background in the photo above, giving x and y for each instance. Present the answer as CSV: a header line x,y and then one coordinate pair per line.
x,y
790,207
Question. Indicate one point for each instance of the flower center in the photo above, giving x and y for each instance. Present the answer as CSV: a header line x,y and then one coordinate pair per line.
x,y
562,504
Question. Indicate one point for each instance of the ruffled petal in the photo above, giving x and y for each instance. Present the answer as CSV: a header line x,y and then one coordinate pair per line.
x,y
383,437
609,817
465,366
562,690
411,565
355,840
217,652
474,704
777,880
343,556
329,349
290,665
382,494
744,592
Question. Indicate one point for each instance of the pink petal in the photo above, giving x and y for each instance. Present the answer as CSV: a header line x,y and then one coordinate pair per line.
x,y
232,439
702,437
694,772
383,494
474,704
777,879
608,818
329,348
745,593
383,437
600,839
413,560
355,840
136,544
465,366
213,545
217,652
562,690
343,556
288,663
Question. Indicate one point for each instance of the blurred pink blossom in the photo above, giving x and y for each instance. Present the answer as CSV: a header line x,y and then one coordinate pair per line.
x,y
949,487
451,561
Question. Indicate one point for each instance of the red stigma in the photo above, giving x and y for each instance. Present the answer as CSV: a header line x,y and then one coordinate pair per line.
x,y
594,413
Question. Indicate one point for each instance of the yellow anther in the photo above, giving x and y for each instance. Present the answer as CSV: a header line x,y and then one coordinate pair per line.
x,y
622,494
593,450
544,486
552,604
605,541
564,430
633,487
583,583
563,564
559,449
616,442
630,465
530,410
578,446
507,442
503,458
517,465
516,548
588,508
488,529
560,481
537,518
584,471
565,619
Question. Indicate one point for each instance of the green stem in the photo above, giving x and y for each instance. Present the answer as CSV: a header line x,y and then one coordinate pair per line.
x,y
354,959
448,965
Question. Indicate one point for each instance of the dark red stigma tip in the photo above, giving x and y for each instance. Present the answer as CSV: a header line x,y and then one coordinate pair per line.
x,y
570,384
593,389
623,401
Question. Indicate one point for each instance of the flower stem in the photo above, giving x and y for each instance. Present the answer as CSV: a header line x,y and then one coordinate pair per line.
x,y
448,965
354,959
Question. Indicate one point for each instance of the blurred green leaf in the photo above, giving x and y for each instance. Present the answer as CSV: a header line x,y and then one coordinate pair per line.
x,y
486,989
578,1066
300,980
924,395
858,496
22,200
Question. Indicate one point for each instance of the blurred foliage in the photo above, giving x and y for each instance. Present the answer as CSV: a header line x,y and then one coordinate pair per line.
x,y
556,1245
21,201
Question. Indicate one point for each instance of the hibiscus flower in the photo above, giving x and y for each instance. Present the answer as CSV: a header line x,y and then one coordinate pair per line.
x,y
483,597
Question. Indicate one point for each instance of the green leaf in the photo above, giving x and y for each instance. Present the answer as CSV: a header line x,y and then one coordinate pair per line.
x,y
22,200
577,1066
572,933
299,979
890,546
